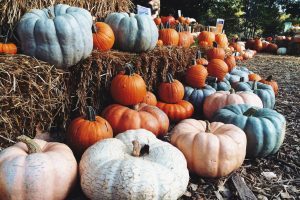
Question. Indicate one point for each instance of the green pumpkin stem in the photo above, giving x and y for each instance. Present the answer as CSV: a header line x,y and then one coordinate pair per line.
x,y
207,130
231,91
269,78
170,78
254,87
32,146
129,69
90,114
251,111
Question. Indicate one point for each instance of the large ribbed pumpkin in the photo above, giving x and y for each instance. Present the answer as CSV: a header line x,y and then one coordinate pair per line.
x,y
215,53
195,75
177,111
206,36
133,33
35,169
211,150
122,118
60,35
217,68
171,91
103,36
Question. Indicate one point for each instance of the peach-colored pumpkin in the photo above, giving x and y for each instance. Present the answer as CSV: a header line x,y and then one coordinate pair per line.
x,y
211,150
37,170
221,99
150,99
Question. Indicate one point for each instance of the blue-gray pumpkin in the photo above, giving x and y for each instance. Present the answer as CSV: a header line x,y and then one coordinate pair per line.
x,y
264,127
60,35
265,92
133,33
232,78
196,96
219,85
241,72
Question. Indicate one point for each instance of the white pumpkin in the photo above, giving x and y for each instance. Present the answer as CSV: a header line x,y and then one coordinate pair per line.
x,y
281,51
108,170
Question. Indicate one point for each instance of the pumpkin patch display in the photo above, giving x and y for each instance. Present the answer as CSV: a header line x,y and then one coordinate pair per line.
x,y
168,35
269,81
85,131
103,36
171,91
133,33
215,52
217,68
35,169
177,111
264,128
195,75
122,118
133,165
211,150
150,99
221,99
8,48
128,88
61,38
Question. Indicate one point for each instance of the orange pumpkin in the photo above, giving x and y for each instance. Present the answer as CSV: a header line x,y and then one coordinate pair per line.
x,y
171,91
203,44
8,48
128,88
196,75
159,43
215,53
200,60
221,40
169,36
211,150
157,21
177,111
168,19
254,77
230,61
181,19
237,47
250,44
246,56
103,36
84,131
150,99
206,36
269,81
258,46
264,46
272,48
184,37
217,68
144,116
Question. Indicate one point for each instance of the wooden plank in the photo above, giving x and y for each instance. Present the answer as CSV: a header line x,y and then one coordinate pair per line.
x,y
244,192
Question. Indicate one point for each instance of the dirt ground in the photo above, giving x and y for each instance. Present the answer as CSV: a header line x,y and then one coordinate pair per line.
x,y
284,180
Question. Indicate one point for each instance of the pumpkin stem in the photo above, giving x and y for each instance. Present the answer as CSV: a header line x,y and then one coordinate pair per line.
x,y
161,26
167,25
207,130
198,55
242,79
231,91
269,78
138,149
211,79
129,69
194,62
215,45
251,111
32,146
254,87
50,14
170,78
179,28
90,114
94,28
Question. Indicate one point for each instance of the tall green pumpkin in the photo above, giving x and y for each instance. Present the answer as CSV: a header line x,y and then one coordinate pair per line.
x,y
134,33
264,127
60,35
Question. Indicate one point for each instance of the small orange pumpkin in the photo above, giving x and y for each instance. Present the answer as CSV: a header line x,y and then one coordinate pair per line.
x,y
200,60
254,77
196,75
177,111
150,99
8,48
215,52
168,19
269,81
206,36
217,68
171,91
157,21
159,43
103,36
168,35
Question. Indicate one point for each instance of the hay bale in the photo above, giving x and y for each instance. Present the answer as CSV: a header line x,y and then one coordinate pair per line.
x,y
32,92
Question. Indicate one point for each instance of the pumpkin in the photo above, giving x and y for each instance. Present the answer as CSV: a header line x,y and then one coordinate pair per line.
x,y
211,150
177,111
230,61
150,99
215,52
134,33
246,56
200,60
258,46
206,36
217,68
221,99
169,36
122,118
242,72
254,77
8,48
159,43
184,37
195,75
264,128
134,165
265,92
272,48
269,81
221,40
157,20
264,45
61,38
196,97
35,169
203,44
281,51
128,88
171,91
168,19
84,131
237,47
219,85
103,36
232,78
250,44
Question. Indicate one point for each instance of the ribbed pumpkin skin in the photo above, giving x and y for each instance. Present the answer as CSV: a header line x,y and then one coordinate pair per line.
x,y
50,174
272,83
221,99
237,47
265,130
134,33
62,41
184,39
258,45
222,40
8,48
241,73
177,111
217,68
104,37
232,78
221,85
171,92
197,96
169,36
215,53
144,116
206,36
231,63
265,92
210,154
195,76
150,99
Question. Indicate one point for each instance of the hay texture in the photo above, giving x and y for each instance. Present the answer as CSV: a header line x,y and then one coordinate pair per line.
x,y
32,93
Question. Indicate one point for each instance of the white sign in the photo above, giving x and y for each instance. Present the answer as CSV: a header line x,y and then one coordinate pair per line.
x,y
141,10
179,13
219,25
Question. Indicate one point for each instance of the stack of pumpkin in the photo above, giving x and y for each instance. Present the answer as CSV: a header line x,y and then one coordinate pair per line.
x,y
267,45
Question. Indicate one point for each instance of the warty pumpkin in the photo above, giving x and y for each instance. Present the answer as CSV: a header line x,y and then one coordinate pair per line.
x,y
171,91
195,75
134,165
35,169
269,81
103,36
215,52
122,118
150,99
211,150
217,68
128,88
177,111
